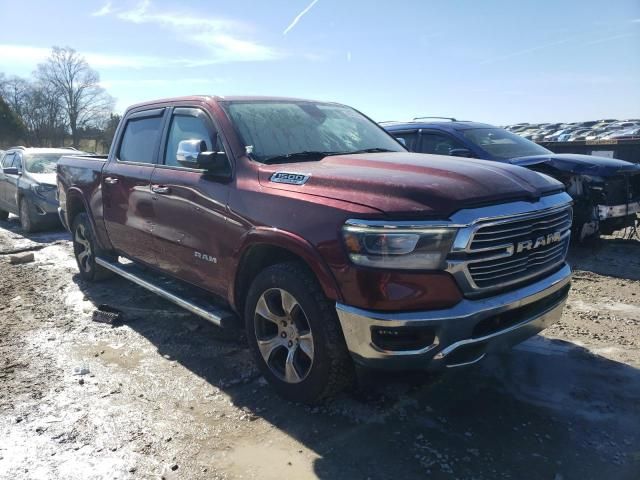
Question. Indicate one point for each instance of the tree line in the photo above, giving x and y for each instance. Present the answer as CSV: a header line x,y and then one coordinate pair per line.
x,y
62,101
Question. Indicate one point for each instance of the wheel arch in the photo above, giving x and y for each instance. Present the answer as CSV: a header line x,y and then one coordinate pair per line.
x,y
265,247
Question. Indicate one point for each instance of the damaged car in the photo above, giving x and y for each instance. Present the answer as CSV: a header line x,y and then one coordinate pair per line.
x,y
606,191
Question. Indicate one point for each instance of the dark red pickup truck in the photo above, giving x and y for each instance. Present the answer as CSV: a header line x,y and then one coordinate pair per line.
x,y
328,239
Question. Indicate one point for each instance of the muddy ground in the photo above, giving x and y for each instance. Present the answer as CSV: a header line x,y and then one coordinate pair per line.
x,y
168,395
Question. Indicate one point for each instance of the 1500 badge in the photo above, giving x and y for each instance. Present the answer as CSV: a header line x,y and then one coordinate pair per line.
x,y
290,178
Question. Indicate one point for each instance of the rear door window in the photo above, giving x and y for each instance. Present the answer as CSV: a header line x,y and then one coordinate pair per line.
x,y
140,139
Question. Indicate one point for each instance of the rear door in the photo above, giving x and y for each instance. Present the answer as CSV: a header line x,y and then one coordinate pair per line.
x,y
192,233
127,200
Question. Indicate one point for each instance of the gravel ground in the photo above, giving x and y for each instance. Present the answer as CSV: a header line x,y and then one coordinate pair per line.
x,y
167,395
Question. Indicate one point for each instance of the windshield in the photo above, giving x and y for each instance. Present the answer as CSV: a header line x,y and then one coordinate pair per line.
x,y
503,144
41,162
295,130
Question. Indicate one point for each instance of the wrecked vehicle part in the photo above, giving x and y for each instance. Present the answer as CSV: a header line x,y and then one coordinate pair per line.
x,y
602,204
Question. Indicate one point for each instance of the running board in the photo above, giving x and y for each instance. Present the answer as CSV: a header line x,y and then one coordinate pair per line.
x,y
215,314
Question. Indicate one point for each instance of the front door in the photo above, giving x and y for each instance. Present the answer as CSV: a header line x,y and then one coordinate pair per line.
x,y
190,207
7,162
127,199
10,184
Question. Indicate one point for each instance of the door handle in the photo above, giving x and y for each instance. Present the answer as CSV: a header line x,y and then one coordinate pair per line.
x,y
110,180
161,189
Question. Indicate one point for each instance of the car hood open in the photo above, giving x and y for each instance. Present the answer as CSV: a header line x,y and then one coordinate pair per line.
x,y
579,164
413,184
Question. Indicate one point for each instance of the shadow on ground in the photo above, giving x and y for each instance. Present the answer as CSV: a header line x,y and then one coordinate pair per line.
x,y
29,241
547,409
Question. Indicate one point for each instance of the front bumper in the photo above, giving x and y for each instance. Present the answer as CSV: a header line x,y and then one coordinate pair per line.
x,y
63,218
614,211
459,335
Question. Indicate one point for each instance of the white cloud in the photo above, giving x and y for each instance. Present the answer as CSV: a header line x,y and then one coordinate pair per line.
x,y
299,16
30,56
105,10
219,36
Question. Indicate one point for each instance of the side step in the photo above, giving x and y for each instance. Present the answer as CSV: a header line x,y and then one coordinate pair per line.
x,y
134,273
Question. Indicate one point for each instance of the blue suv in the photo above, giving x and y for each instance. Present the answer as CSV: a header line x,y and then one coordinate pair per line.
x,y
606,191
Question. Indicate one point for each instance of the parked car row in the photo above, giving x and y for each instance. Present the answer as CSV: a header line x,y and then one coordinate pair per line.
x,y
319,233
607,129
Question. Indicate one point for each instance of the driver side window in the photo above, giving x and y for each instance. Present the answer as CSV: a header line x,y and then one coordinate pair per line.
x,y
7,161
438,144
187,127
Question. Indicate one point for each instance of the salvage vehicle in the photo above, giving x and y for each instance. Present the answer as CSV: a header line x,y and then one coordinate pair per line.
x,y
605,191
28,186
309,224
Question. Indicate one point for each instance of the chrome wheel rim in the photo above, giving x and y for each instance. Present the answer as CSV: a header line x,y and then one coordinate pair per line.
x,y
284,335
83,248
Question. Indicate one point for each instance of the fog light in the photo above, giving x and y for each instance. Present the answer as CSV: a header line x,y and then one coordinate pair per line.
x,y
402,338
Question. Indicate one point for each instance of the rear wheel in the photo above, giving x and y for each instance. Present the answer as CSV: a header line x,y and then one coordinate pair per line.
x,y
85,249
294,335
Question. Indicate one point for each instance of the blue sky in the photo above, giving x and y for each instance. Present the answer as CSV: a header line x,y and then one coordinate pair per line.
x,y
486,60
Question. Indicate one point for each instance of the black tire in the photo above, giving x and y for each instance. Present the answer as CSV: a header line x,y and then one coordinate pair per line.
x,y
331,368
28,218
4,215
85,249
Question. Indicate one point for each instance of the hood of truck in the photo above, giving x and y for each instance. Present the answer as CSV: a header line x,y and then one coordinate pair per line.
x,y
410,184
579,164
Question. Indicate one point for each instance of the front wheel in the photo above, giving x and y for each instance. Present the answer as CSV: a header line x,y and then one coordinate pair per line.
x,y
28,220
85,249
294,335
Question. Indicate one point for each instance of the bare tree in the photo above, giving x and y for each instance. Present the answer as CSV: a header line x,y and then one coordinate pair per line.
x,y
84,101
14,90
43,114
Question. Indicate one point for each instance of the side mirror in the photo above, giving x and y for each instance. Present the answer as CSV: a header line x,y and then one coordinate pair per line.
x,y
461,152
402,141
193,154
11,171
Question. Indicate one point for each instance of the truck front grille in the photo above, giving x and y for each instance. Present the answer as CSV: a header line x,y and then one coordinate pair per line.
x,y
512,250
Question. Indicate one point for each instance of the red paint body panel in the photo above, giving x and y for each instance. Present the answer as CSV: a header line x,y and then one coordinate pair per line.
x,y
225,218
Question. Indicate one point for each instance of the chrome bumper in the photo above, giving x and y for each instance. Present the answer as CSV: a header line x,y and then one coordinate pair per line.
x,y
614,211
455,341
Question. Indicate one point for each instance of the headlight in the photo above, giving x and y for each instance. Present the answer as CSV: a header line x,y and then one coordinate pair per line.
x,y
398,247
43,190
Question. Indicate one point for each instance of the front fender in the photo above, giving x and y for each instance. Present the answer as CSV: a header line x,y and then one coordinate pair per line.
x,y
294,244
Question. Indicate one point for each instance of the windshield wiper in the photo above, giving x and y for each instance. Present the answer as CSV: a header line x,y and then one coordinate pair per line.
x,y
371,150
306,156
